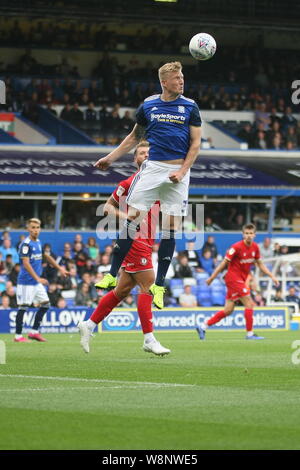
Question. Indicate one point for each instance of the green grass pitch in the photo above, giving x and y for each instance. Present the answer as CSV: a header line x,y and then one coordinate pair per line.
x,y
221,393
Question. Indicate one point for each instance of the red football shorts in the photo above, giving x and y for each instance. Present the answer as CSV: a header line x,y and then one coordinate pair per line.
x,y
138,259
236,290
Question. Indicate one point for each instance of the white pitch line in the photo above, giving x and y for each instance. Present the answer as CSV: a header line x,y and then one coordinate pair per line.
x,y
79,379
64,390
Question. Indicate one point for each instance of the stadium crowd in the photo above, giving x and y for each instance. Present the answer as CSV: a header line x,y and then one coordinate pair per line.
x,y
185,281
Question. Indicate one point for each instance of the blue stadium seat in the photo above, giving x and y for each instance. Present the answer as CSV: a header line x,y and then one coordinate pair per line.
x,y
218,298
204,299
176,287
201,276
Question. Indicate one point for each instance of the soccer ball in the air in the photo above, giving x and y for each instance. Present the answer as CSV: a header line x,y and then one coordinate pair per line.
x,y
202,46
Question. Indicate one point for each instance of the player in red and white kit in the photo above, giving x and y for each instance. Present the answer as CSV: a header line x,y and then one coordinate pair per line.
x,y
136,269
238,259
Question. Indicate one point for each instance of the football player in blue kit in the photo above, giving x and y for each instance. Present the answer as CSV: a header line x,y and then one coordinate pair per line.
x,y
30,284
171,123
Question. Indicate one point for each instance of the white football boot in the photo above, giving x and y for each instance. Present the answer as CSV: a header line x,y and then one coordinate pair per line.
x,y
85,335
156,348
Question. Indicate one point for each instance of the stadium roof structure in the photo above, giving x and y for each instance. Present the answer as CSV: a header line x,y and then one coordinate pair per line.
x,y
216,172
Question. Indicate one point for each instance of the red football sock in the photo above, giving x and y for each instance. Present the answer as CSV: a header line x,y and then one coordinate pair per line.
x,y
144,308
105,306
249,318
216,318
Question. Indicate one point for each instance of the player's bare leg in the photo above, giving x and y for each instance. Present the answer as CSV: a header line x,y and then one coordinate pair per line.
x,y
228,309
249,306
105,306
170,224
144,306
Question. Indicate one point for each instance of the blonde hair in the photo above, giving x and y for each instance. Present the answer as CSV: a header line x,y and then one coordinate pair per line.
x,y
142,143
33,221
167,68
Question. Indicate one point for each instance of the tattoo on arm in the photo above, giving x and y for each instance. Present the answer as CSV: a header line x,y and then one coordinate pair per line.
x,y
139,132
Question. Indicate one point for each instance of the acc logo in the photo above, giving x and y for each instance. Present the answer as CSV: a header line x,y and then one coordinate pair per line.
x,y
144,261
119,321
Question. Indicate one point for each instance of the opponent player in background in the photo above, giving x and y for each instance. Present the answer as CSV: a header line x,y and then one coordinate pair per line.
x,y
30,284
172,125
136,269
238,259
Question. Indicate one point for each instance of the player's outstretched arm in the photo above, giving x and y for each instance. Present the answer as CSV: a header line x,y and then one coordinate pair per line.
x,y
111,207
52,261
219,269
266,271
130,141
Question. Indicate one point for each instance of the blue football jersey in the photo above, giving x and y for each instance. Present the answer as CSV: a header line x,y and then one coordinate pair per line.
x,y
167,125
32,250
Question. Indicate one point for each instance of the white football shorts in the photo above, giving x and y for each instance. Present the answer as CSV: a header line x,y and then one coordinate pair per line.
x,y
152,184
26,295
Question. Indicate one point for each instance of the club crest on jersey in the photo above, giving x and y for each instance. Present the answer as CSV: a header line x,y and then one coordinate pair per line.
x,y
181,109
143,261
120,191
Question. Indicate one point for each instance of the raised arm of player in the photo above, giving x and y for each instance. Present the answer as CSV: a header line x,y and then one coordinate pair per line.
x,y
111,207
223,265
266,271
195,140
130,141
59,268
29,268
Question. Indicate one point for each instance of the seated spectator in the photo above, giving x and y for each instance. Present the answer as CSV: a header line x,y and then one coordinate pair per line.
x,y
7,249
276,143
91,113
246,134
21,239
192,255
9,264
258,299
5,302
288,119
70,282
66,113
104,265
292,296
61,303
187,299
274,130
90,281
277,297
128,302
53,294
207,262
260,142
10,293
92,248
90,268
262,116
80,257
66,256
83,297
265,247
210,226
210,245
50,108
126,124
4,236
291,137
76,115
49,272
182,269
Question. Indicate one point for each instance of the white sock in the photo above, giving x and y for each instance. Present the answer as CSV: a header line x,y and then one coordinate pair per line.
x,y
149,337
204,325
91,324
250,333
18,336
35,332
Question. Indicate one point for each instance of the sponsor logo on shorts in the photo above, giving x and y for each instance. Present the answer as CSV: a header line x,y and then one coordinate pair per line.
x,y
143,261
